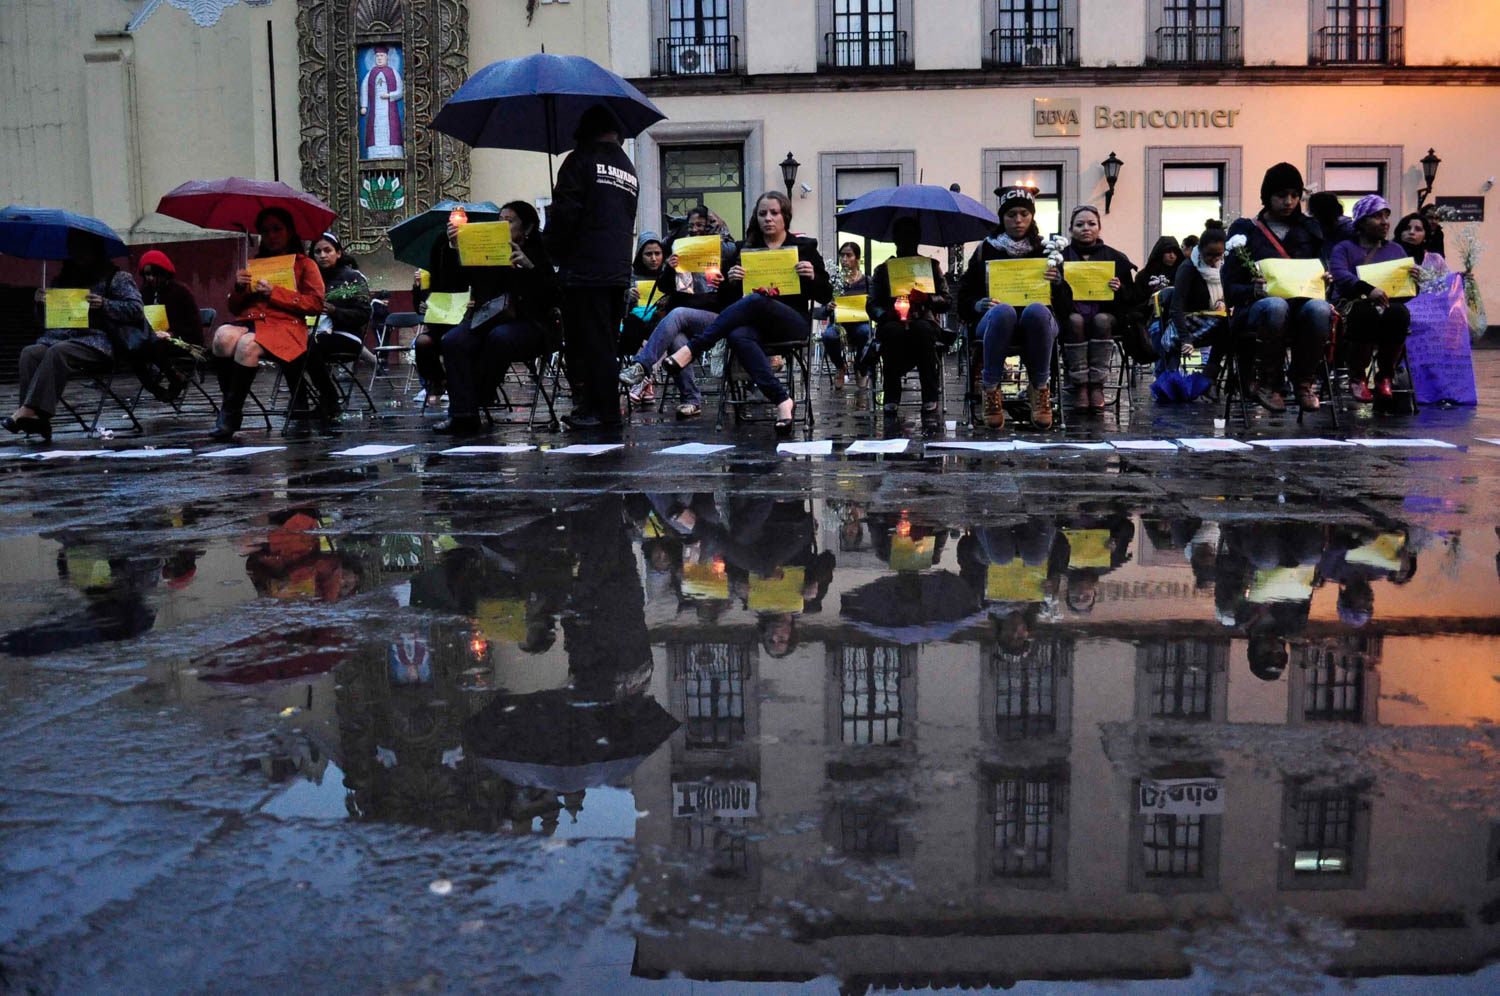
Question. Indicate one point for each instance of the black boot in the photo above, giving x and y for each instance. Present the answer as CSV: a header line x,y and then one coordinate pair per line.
x,y
232,408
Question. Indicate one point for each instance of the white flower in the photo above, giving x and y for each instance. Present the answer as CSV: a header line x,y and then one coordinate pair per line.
x,y
1236,242
1055,259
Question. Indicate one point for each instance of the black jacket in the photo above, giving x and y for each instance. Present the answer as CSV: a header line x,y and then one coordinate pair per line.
x,y
819,288
880,303
591,223
184,320
1303,241
534,290
1125,297
347,292
974,287
1189,292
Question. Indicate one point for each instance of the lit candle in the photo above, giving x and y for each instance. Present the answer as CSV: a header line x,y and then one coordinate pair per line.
x,y
458,216
903,306
711,272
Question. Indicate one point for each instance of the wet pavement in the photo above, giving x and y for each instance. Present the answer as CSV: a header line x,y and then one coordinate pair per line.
x,y
1165,719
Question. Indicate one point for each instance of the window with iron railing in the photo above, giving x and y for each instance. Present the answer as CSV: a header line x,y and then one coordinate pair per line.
x,y
1026,689
1334,673
1196,31
865,36
1030,33
1358,31
713,677
1173,846
870,708
1182,677
699,41
1024,811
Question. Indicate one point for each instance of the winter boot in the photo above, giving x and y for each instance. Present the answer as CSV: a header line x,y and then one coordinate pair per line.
x,y
1101,352
232,407
1076,362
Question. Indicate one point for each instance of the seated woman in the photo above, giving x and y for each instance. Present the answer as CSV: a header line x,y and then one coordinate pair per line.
x,y
691,305
510,319
45,366
1160,269
858,333
748,320
1089,331
267,319
1198,315
642,313
1411,235
340,333
1377,325
159,286
1005,330
912,339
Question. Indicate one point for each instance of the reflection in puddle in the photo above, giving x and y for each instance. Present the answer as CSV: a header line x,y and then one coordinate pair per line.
x,y
1111,742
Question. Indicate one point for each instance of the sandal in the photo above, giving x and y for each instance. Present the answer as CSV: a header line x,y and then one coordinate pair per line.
x,y
784,426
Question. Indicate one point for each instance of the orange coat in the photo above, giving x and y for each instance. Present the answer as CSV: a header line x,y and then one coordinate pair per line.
x,y
280,319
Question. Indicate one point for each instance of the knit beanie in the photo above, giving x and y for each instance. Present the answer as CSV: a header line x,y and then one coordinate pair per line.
x,y
1282,176
156,257
1013,197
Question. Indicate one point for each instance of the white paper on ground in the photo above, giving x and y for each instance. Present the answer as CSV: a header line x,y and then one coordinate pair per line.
x,y
235,451
977,445
1208,444
695,449
477,450
816,447
1022,444
372,449
1144,444
588,449
1430,444
1492,442
1314,442
145,454
64,454
878,446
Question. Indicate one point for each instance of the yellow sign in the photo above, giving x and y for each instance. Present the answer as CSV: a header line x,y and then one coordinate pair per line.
x,y
484,243
446,308
695,252
1293,278
156,315
1053,117
1016,581
1383,552
424,279
850,309
705,581
783,594
1281,584
908,554
1090,281
501,620
1393,277
647,294
910,272
1019,282
281,271
1088,548
67,308
771,269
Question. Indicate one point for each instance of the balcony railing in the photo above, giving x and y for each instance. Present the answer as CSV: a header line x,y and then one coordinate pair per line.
x,y
861,51
1032,47
696,57
1359,45
1197,46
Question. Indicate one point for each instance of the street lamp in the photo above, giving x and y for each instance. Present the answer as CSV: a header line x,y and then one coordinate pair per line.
x,y
1111,176
1429,173
789,173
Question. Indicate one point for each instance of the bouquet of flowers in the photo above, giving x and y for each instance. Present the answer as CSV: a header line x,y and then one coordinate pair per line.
x,y
835,274
1053,246
1466,241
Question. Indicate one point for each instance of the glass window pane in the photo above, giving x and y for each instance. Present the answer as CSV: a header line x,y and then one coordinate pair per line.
x,y
1352,178
1191,180
1043,178
1184,216
851,183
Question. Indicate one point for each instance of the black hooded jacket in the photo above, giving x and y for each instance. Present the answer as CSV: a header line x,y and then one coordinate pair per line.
x,y
591,223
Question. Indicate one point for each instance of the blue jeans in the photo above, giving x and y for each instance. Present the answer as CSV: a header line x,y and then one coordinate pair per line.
x,y
1269,320
671,334
997,329
833,348
752,320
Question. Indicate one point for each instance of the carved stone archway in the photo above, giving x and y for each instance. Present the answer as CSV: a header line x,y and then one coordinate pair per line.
x,y
433,36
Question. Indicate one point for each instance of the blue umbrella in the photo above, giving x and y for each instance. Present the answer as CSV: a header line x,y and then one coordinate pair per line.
x,y
946,216
533,104
42,233
412,240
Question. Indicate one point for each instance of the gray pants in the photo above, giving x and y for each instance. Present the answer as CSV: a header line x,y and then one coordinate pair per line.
x,y
45,369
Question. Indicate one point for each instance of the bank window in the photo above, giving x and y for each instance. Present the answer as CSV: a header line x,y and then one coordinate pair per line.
x,y
1351,181
723,842
1325,833
1046,181
1172,846
868,829
711,175
1334,678
1026,691
1190,195
716,703
1181,677
871,695
851,183
1024,815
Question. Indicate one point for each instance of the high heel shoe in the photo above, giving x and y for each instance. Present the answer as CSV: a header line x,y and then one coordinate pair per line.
x,y
32,425
671,366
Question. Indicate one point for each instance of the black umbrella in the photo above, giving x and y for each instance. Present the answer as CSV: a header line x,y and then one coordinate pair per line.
x,y
913,608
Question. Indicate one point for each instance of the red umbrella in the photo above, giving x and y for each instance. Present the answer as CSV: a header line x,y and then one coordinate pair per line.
x,y
232,203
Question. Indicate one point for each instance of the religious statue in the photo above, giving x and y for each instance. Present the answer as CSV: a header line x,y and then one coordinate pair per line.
x,y
380,94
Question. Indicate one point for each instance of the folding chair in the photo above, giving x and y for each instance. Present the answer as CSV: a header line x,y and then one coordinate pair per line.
x,y
910,382
1012,386
387,334
736,394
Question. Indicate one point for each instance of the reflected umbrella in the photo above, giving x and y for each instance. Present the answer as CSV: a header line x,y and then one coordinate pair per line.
x,y
912,608
550,741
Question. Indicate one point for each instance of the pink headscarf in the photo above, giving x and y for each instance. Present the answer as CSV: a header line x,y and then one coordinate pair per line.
x,y
1368,205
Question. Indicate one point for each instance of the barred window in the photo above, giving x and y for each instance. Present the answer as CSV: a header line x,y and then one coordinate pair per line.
x,y
713,676
1026,689
1173,846
867,830
1023,827
870,709
1325,833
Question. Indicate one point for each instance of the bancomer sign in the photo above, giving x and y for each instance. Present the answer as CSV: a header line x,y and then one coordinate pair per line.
x,y
1063,116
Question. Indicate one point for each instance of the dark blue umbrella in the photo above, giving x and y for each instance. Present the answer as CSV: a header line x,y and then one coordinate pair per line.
x,y
946,216
412,240
533,104
42,233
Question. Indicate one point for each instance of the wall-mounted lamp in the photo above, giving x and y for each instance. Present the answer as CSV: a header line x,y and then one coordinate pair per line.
x,y
1430,163
1111,176
789,173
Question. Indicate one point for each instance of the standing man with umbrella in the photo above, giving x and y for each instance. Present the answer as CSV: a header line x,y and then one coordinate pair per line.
x,y
589,232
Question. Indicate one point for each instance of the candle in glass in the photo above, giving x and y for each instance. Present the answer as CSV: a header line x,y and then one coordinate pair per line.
x,y
903,306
